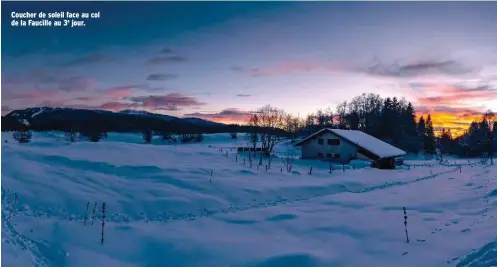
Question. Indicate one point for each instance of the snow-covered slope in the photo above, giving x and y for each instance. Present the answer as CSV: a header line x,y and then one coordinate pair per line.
x,y
165,209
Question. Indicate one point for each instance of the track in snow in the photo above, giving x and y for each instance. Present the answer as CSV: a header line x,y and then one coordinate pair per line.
x,y
166,217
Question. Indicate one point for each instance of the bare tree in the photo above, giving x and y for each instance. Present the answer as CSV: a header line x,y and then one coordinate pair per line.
x,y
22,136
293,126
253,136
321,118
341,115
71,135
288,160
269,119
147,136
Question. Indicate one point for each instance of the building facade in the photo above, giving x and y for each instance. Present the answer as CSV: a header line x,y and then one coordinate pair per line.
x,y
330,147
342,146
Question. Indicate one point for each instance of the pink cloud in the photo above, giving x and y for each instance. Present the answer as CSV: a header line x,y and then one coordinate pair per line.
x,y
118,93
455,95
87,98
77,84
117,106
168,101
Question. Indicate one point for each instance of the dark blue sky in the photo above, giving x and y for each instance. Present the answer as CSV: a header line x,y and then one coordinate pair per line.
x,y
220,59
121,23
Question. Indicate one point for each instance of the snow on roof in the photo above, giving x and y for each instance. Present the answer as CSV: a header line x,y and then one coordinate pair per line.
x,y
361,139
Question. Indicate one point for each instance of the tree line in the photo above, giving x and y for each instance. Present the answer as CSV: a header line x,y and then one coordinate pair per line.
x,y
392,120
93,126
480,139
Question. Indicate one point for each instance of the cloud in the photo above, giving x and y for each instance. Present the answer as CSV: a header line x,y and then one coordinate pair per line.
x,y
243,95
449,117
87,98
76,84
48,80
29,95
453,105
117,106
170,108
52,103
285,68
165,60
230,115
161,77
5,109
420,68
89,60
119,92
450,95
238,69
169,101
166,50
37,76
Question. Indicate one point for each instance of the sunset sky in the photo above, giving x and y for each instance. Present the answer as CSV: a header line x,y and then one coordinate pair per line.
x,y
220,60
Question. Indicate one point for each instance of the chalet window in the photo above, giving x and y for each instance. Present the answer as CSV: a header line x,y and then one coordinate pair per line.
x,y
336,156
320,154
329,155
334,142
320,141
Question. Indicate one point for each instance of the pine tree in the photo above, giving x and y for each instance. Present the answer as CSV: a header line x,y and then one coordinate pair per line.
x,y
446,141
387,120
485,136
410,128
421,131
430,147
494,141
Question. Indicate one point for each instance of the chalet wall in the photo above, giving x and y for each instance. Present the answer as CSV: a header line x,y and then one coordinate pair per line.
x,y
345,149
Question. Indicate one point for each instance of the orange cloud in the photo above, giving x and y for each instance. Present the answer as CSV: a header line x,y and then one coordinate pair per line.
x,y
452,106
457,120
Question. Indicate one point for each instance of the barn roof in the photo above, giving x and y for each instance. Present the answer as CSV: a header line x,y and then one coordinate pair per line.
x,y
363,140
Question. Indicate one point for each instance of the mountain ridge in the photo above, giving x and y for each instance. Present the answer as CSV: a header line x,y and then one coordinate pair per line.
x,y
56,118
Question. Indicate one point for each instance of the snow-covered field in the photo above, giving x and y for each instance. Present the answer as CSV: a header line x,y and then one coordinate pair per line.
x,y
165,209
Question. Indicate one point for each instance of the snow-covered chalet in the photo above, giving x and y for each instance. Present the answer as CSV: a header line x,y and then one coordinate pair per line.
x,y
342,146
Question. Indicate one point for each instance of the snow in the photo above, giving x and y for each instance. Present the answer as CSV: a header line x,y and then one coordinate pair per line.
x,y
370,143
38,112
165,209
135,112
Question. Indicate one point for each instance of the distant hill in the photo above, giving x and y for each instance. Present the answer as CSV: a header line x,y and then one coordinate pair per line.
x,y
49,118
145,113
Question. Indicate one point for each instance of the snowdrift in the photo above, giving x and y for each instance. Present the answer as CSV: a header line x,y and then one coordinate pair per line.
x,y
193,205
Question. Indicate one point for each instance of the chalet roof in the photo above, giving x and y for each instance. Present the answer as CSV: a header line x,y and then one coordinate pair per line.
x,y
362,140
